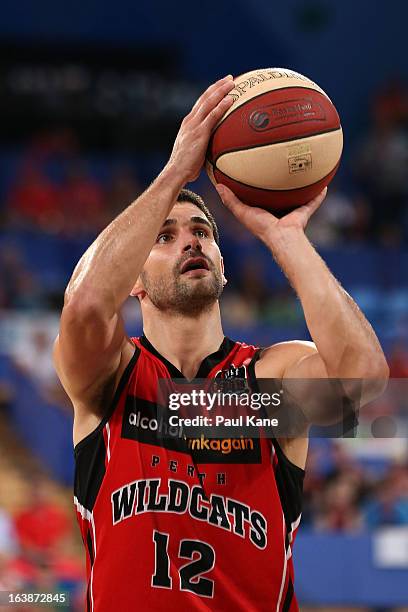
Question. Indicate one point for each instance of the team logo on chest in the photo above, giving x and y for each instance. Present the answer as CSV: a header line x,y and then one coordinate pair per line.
x,y
232,379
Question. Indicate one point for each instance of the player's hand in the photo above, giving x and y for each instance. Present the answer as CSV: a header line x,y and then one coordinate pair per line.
x,y
263,223
192,140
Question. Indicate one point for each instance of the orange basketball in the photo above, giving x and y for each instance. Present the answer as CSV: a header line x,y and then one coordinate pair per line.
x,y
280,142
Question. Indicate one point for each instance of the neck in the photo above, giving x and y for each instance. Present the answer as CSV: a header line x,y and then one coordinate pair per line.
x,y
184,341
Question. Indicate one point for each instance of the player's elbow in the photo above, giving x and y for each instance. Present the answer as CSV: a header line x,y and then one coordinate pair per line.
x,y
361,363
373,374
375,368
376,379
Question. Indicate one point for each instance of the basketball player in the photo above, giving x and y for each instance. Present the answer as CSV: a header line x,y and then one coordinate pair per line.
x,y
167,527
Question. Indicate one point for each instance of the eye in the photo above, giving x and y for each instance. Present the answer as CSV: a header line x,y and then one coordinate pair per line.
x,y
201,233
163,238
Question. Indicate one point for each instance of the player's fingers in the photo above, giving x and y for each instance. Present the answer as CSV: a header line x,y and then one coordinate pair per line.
x,y
230,200
210,90
209,100
244,213
314,204
216,113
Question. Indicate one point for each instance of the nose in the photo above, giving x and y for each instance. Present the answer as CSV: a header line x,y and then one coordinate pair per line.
x,y
192,244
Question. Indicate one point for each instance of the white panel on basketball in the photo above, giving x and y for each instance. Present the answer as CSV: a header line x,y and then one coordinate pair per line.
x,y
275,78
284,165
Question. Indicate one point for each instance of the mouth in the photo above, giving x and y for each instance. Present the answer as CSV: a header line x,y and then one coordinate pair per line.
x,y
194,263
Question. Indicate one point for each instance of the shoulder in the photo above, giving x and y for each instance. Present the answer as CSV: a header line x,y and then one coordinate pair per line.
x,y
98,396
272,363
100,400
275,359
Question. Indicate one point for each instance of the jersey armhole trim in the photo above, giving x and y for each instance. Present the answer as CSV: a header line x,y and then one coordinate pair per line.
x,y
290,464
254,386
253,383
122,383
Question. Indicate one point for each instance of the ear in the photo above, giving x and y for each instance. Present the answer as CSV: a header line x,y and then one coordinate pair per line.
x,y
138,289
224,280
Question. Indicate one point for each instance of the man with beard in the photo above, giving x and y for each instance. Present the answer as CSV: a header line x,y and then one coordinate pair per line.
x,y
169,525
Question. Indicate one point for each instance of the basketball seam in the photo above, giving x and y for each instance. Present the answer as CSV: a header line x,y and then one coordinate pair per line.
x,y
275,190
264,94
269,144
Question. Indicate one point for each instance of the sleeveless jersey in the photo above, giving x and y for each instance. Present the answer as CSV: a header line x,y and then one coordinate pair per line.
x,y
168,526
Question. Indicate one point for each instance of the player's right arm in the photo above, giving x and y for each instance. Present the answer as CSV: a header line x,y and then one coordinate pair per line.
x,y
92,348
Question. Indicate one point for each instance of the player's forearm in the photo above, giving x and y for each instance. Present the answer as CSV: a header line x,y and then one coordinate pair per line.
x,y
108,270
110,267
345,340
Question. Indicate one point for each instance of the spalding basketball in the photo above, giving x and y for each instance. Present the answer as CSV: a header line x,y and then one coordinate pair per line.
x,y
280,142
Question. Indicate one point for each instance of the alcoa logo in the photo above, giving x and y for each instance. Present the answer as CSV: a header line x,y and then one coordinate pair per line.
x,y
159,424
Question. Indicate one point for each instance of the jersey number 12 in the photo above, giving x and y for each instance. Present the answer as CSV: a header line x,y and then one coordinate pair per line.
x,y
190,574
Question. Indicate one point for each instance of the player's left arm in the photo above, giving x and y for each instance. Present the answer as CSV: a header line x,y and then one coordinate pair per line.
x,y
345,345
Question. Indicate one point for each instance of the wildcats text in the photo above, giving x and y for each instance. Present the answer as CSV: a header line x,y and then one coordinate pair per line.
x,y
142,496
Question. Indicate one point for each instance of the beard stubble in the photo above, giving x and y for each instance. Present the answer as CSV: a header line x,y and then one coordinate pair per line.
x,y
184,296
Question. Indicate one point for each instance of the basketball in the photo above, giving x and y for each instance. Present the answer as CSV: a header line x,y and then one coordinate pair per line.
x,y
280,142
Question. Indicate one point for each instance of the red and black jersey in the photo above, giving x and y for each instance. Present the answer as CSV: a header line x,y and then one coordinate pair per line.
x,y
168,526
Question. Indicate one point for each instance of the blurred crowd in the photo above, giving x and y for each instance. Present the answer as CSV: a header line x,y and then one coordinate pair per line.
x,y
54,191
374,207
343,494
40,547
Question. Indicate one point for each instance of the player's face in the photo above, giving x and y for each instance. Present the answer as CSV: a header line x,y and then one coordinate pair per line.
x,y
184,271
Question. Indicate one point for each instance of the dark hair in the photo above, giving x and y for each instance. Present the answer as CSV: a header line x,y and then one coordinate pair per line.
x,y
186,195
